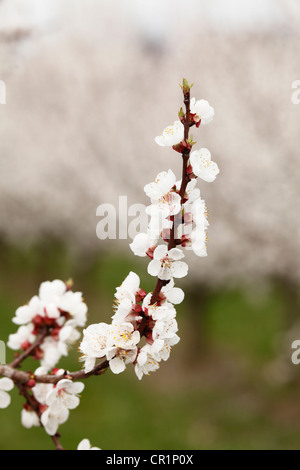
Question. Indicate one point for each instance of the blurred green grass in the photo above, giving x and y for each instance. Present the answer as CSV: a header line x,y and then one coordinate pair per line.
x,y
217,391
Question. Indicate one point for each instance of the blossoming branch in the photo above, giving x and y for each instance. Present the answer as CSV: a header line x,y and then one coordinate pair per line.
x,y
143,328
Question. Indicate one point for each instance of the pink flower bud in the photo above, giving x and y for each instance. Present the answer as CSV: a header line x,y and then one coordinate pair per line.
x,y
31,383
150,252
25,345
140,295
186,241
137,308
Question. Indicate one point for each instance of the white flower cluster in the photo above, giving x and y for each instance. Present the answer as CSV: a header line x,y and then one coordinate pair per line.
x,y
191,227
118,342
172,214
201,112
143,327
177,213
54,402
57,312
167,205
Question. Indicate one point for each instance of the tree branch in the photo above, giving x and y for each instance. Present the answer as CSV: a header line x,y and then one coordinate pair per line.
x,y
184,181
20,377
16,362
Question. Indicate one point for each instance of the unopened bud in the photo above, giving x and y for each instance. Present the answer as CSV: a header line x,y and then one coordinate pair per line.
x,y
69,284
181,115
190,173
31,383
185,86
25,345
179,147
191,142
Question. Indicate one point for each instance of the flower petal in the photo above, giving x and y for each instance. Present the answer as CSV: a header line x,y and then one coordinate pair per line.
x,y
6,384
4,399
179,269
160,252
154,267
117,365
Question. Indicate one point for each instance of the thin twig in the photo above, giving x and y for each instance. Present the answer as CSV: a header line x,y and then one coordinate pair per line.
x,y
21,377
57,444
184,181
16,362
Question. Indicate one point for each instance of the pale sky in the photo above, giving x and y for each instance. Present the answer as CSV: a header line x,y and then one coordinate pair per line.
x,y
155,17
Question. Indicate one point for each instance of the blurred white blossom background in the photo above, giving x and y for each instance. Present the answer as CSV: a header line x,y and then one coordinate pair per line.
x,y
89,86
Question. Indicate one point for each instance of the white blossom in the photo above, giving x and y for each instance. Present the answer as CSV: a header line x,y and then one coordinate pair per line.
x,y
72,303
199,213
68,333
26,313
166,264
163,183
60,311
202,109
52,351
142,243
159,312
51,291
41,390
162,194
173,294
165,329
6,385
29,419
128,288
203,166
120,358
94,344
21,338
50,294
53,417
198,240
171,135
161,349
123,311
167,205
145,362
65,394
86,445
122,335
